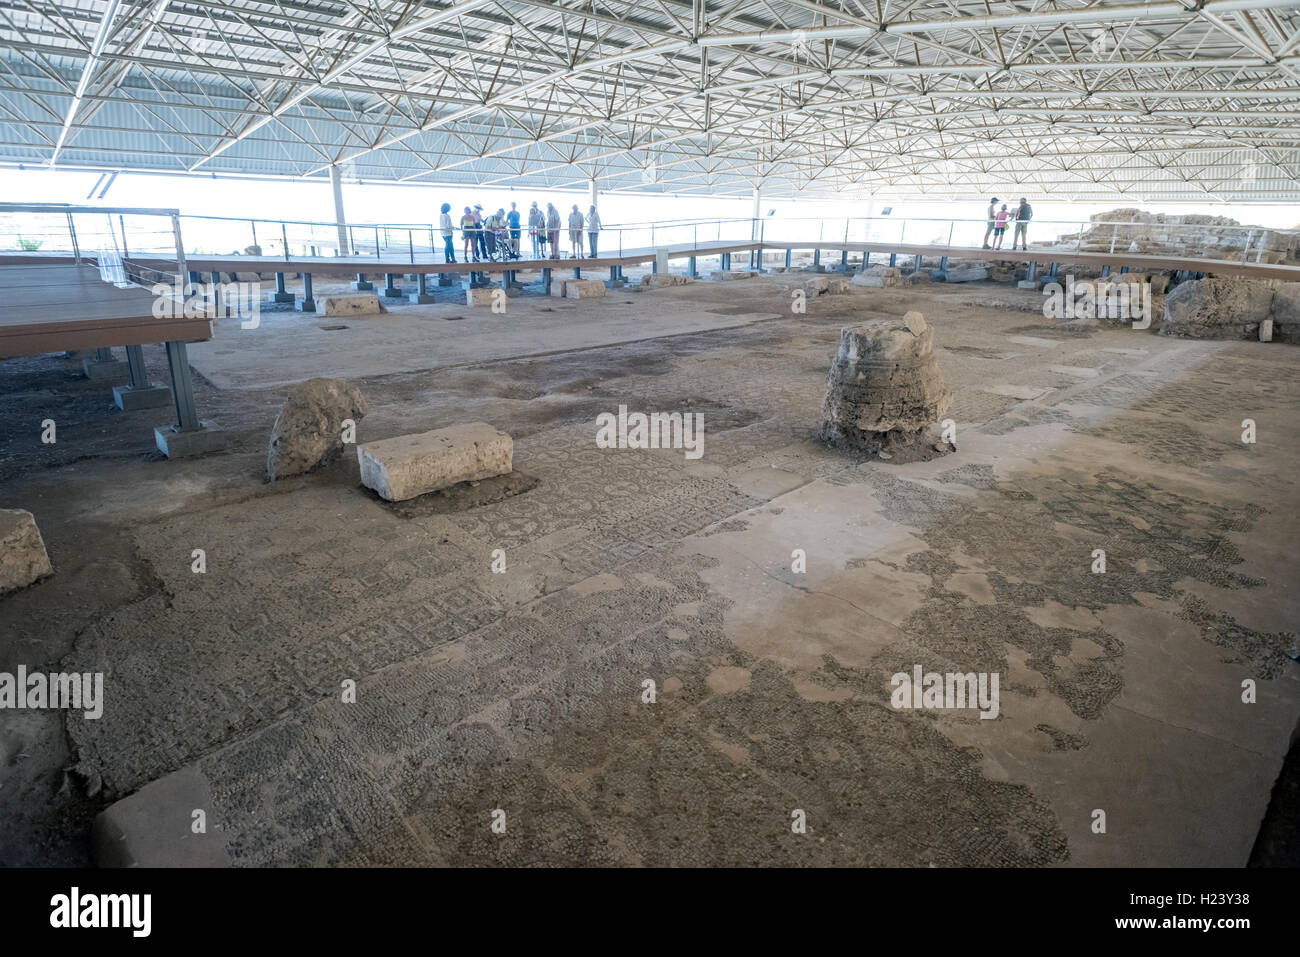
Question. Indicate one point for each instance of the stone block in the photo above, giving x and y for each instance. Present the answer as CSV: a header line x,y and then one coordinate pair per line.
x,y
1217,308
1266,331
967,273
727,275
483,296
348,306
409,465
659,280
815,287
23,559
584,289
880,276
128,399
176,445
558,287
309,429
105,370
154,827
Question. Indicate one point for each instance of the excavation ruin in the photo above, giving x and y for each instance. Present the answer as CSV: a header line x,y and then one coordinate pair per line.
x,y
351,647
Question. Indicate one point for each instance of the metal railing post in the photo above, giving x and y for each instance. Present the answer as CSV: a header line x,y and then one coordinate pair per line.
x,y
72,234
1245,251
377,256
180,246
1114,237
284,240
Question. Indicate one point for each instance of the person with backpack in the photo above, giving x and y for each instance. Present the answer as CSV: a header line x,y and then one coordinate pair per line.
x,y
1023,215
992,217
448,233
593,231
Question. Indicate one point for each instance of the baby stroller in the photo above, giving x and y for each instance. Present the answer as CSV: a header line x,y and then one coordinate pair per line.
x,y
498,243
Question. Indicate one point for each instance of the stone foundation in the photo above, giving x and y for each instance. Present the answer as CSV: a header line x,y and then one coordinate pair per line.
x,y
885,387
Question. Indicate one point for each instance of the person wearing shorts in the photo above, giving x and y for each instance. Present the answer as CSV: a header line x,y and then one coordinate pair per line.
x,y
1000,227
467,227
992,218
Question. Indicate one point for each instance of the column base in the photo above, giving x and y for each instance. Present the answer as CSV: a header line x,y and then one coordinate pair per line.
x,y
152,397
305,305
100,370
392,292
277,297
177,445
420,299
363,286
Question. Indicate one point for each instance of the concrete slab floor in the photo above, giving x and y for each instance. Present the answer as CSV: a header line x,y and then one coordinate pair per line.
x,y
522,691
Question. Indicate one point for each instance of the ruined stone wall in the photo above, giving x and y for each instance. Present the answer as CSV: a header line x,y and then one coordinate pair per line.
x,y
1192,234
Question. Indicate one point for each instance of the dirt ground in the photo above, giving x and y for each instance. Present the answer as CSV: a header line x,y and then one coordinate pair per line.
x,y
523,691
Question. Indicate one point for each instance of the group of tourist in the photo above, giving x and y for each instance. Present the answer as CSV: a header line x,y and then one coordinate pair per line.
x,y
997,224
498,235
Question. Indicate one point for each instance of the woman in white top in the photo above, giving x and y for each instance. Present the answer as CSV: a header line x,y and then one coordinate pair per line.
x,y
448,233
593,231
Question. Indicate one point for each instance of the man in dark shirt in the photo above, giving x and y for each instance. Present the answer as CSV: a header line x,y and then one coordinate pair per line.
x,y
1023,215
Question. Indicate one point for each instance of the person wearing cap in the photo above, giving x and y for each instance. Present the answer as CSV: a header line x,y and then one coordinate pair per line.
x,y
992,218
536,229
480,234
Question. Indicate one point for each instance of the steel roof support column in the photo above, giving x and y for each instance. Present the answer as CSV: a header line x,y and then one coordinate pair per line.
x,y
336,184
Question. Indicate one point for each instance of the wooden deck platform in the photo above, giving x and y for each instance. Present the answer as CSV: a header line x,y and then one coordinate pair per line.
x,y
1044,256
51,307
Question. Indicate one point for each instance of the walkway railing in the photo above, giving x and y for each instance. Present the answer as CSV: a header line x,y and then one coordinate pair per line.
x,y
117,239
87,230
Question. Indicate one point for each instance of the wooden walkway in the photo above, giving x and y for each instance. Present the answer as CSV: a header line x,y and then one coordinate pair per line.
x,y
53,307
426,262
